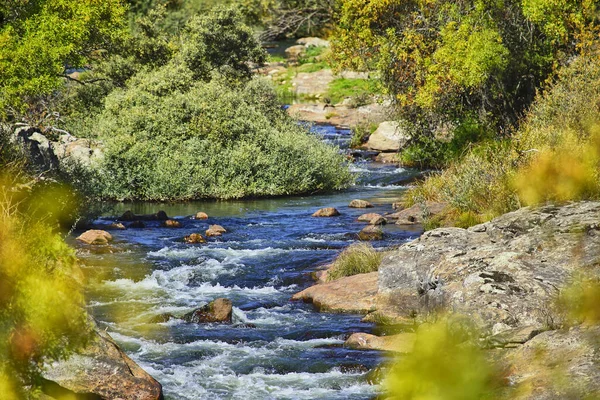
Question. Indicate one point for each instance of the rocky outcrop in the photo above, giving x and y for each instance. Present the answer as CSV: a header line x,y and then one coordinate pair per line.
x,y
416,214
360,204
507,271
219,310
326,212
389,137
353,294
100,371
95,237
400,343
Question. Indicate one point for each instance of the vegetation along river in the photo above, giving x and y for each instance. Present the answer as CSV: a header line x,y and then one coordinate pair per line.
x,y
275,349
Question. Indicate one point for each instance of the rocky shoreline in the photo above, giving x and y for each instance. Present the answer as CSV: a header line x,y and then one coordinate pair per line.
x,y
505,275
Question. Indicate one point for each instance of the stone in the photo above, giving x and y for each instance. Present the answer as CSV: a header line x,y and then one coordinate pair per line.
x,y
171,223
100,370
117,226
370,232
130,216
137,225
313,41
360,204
416,214
507,271
378,221
293,53
352,294
326,212
217,311
339,116
201,215
194,238
389,137
95,237
399,343
388,158
215,230
368,217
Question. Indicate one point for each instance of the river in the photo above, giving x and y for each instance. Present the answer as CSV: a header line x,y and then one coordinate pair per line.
x,y
276,349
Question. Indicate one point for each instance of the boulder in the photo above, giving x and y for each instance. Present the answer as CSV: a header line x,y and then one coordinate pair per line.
x,y
313,41
194,238
378,221
389,137
95,237
416,214
293,53
400,343
370,232
171,223
130,216
117,226
219,310
326,212
507,271
352,294
215,230
388,158
368,217
360,204
201,215
101,370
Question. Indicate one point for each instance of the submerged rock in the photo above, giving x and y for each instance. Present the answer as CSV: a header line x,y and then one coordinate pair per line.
x,y
137,225
326,212
219,310
360,204
101,370
215,230
95,237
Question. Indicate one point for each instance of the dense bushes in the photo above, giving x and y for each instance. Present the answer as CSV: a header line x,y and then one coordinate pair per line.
x,y
555,156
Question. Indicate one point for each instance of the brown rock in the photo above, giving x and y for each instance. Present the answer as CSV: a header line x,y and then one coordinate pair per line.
x,y
416,214
389,137
370,232
96,237
368,217
130,216
101,370
117,226
171,223
201,215
326,212
352,294
360,204
215,230
219,310
378,221
400,343
194,238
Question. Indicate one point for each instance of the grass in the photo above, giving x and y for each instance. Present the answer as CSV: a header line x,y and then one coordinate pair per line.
x,y
361,133
361,89
360,258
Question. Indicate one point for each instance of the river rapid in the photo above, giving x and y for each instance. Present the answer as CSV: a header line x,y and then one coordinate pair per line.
x,y
275,349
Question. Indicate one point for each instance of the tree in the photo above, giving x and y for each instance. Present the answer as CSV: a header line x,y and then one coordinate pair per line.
x,y
42,40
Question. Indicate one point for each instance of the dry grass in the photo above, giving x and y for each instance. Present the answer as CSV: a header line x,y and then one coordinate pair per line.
x,y
360,258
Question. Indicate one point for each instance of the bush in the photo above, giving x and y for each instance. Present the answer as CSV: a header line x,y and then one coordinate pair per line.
x,y
360,258
211,141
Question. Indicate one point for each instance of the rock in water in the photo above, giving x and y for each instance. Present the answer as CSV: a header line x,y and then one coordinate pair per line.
x,y
378,221
368,217
137,225
389,137
370,232
194,238
171,223
201,215
96,237
130,216
117,226
416,214
326,212
215,230
101,370
399,343
360,204
219,310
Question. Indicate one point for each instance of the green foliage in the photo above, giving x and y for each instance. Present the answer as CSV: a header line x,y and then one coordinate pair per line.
x,y
342,88
444,60
41,40
42,314
361,133
360,258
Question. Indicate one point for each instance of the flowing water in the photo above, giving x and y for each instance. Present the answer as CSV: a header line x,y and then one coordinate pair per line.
x,y
275,349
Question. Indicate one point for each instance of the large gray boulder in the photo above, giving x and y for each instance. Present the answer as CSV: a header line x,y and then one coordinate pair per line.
x,y
389,137
505,272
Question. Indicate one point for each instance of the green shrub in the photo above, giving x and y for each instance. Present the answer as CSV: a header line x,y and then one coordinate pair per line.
x,y
342,88
360,258
361,133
